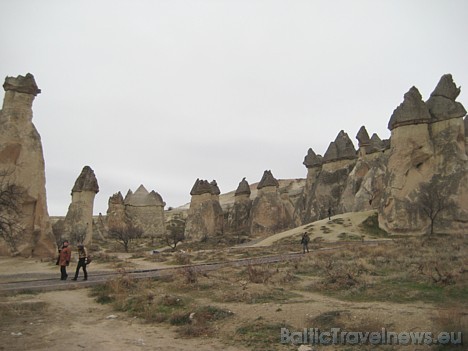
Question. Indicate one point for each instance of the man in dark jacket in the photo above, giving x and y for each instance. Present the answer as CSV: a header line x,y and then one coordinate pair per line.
x,y
82,257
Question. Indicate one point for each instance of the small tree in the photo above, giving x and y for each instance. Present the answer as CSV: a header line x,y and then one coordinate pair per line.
x,y
175,232
433,199
11,211
125,234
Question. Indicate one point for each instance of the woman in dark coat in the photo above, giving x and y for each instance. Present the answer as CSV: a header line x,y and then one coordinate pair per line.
x,y
64,260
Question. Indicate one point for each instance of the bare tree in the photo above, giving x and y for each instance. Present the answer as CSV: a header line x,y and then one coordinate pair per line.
x,y
433,199
125,234
11,210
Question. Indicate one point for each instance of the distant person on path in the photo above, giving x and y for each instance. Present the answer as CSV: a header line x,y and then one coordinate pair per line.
x,y
305,242
64,260
329,213
82,258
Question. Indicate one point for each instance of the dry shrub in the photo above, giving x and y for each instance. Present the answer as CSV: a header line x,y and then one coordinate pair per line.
x,y
182,258
260,274
452,320
190,275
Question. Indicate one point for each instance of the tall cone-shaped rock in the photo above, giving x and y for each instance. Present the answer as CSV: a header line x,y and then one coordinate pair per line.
x,y
22,165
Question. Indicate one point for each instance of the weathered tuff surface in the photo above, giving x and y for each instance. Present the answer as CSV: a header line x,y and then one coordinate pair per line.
x,y
271,211
146,210
326,180
238,216
116,216
22,158
423,148
205,216
78,224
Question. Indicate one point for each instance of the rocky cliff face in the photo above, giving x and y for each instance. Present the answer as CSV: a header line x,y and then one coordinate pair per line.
x,y
427,141
205,216
22,163
79,219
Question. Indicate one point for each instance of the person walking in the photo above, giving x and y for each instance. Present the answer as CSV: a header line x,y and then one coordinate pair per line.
x,y
64,260
82,261
305,242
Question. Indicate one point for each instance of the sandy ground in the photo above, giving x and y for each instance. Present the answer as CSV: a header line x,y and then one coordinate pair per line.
x,y
351,221
72,320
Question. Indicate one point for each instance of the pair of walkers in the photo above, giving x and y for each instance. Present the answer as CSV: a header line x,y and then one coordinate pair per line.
x,y
64,261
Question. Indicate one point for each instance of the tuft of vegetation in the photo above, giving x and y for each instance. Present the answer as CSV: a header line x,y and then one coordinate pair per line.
x,y
370,226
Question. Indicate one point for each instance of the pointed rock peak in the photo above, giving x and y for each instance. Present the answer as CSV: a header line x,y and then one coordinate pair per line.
x,y
116,199
312,160
141,191
446,88
412,110
201,186
363,137
243,188
128,196
341,149
214,188
442,105
21,84
155,199
267,180
86,181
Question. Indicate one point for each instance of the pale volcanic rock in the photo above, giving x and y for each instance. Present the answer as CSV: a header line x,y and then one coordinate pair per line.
x,y
145,210
205,216
270,212
79,218
21,156
238,215
424,146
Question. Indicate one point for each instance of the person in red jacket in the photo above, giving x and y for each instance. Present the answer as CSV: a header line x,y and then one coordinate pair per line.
x,y
64,260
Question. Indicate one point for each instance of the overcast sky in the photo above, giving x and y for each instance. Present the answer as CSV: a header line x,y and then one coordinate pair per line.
x,y
161,93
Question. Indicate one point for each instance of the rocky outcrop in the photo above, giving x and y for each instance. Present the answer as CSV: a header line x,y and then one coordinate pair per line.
x,y
271,211
427,141
145,210
326,182
238,216
116,215
205,216
22,165
79,219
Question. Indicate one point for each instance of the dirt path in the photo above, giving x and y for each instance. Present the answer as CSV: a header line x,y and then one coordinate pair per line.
x,y
74,321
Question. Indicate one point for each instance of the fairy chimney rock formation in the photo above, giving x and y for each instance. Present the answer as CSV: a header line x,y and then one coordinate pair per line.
x,y
364,142
238,216
22,163
79,218
411,111
205,216
243,190
269,214
146,210
426,142
340,149
268,181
